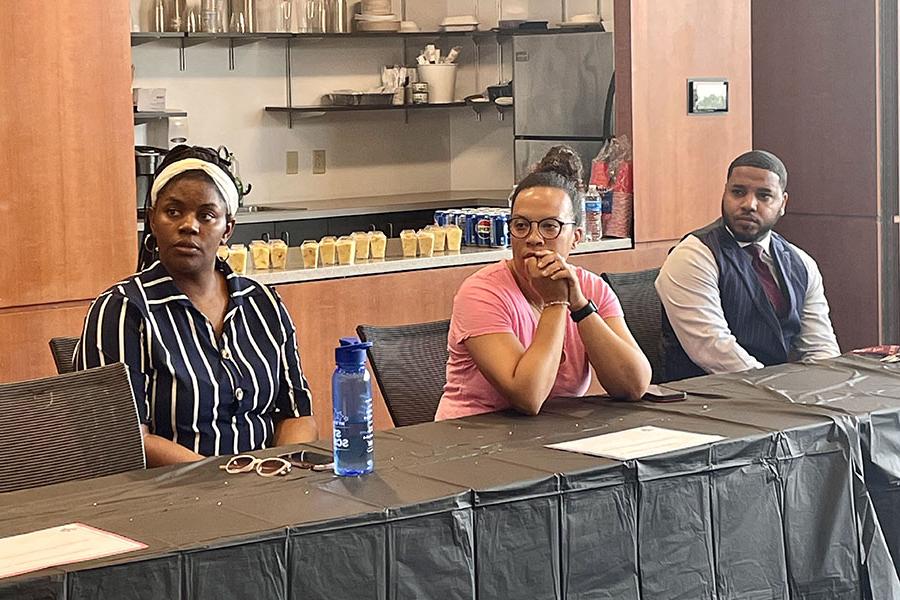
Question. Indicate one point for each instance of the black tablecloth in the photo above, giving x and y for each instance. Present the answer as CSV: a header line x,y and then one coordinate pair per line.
x,y
478,507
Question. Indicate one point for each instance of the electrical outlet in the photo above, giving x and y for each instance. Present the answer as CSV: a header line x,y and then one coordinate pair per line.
x,y
292,162
318,162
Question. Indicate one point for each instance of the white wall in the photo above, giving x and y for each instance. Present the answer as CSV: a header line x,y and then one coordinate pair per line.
x,y
367,153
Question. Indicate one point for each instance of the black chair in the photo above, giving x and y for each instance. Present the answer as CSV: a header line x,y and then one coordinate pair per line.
x,y
73,426
410,364
643,314
63,349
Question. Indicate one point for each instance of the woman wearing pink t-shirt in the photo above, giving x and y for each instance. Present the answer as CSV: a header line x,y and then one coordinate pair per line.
x,y
528,329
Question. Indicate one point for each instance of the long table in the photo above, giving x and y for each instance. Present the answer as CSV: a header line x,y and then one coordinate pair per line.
x,y
783,507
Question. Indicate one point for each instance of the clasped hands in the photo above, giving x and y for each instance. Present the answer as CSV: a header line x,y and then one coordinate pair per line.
x,y
554,280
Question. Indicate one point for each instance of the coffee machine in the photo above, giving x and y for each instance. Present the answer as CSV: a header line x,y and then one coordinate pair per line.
x,y
146,160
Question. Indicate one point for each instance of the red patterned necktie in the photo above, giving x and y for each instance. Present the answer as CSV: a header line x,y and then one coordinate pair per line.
x,y
764,274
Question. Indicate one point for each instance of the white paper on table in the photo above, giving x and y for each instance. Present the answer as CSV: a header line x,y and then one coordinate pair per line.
x,y
639,442
61,545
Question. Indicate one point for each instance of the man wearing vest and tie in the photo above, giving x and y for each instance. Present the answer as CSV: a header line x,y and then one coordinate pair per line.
x,y
736,295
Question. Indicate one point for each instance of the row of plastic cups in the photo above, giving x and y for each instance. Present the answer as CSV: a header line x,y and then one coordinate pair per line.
x,y
265,255
345,250
431,239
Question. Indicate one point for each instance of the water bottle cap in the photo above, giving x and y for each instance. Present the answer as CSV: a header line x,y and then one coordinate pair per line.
x,y
351,351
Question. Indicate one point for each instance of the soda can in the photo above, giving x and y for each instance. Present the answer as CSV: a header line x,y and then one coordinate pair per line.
x,y
484,229
440,217
500,237
451,216
460,219
470,235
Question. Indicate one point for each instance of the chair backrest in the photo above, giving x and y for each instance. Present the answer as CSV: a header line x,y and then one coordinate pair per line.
x,y
73,426
643,314
63,349
410,365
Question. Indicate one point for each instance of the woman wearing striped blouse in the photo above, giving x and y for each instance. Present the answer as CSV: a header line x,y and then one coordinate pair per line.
x,y
212,356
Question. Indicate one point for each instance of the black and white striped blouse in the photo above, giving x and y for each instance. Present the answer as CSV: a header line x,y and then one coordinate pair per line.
x,y
213,396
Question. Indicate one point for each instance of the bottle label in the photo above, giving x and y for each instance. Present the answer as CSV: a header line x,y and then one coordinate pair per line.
x,y
354,442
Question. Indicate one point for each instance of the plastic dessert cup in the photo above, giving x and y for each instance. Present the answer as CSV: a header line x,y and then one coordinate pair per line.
x,y
310,251
409,242
346,250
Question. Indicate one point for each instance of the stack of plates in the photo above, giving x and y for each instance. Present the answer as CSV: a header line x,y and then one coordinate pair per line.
x,y
459,23
376,7
369,22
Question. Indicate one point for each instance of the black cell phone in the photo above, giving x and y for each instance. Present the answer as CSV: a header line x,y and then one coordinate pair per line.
x,y
657,393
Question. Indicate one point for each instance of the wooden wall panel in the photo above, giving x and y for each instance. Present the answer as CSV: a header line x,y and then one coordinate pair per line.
x,y
24,349
681,160
67,212
816,105
815,100
846,249
622,20
325,311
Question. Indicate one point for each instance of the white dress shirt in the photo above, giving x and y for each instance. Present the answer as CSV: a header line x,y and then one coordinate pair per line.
x,y
688,286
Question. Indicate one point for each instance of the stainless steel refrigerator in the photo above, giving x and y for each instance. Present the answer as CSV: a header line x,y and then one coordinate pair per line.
x,y
563,87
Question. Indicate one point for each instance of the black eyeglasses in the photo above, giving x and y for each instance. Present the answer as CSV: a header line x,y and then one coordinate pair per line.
x,y
306,459
549,229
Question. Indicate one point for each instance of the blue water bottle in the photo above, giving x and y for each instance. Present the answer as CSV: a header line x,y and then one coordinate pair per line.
x,y
351,393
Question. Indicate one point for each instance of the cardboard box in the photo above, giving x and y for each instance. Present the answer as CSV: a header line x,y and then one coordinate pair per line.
x,y
148,99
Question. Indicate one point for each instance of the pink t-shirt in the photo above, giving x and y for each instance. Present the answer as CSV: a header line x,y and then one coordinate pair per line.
x,y
490,301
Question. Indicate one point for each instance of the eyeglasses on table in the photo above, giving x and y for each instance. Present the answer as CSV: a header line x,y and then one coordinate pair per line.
x,y
279,465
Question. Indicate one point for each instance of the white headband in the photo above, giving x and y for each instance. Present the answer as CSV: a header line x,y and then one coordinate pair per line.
x,y
223,182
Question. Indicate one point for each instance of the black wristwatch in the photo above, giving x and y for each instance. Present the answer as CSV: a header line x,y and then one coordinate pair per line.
x,y
584,312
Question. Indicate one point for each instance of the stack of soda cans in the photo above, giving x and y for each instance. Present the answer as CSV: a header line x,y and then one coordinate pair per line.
x,y
486,227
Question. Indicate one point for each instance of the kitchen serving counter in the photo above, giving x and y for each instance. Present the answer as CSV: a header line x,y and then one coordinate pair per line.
x,y
396,263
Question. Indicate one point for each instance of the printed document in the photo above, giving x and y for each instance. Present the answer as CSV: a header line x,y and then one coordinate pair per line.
x,y
59,546
639,442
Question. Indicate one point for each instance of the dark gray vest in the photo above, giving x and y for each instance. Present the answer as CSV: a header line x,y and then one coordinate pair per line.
x,y
747,310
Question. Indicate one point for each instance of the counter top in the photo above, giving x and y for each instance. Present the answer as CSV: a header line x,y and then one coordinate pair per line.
x,y
395,263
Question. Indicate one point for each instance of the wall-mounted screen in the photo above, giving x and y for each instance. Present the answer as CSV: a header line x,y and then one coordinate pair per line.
x,y
707,96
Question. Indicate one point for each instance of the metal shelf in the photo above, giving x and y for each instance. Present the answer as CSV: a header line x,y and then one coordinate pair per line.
x,y
144,37
237,39
145,117
381,34
234,39
504,33
362,108
192,39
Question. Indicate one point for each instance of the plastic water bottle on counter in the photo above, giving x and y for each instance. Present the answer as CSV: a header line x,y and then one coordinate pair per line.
x,y
593,215
351,393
